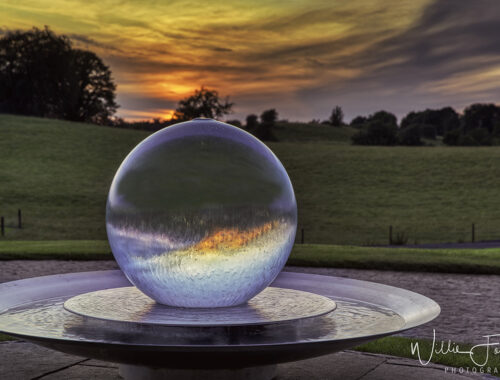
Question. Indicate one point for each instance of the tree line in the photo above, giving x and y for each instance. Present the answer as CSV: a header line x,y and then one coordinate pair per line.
x,y
42,74
479,124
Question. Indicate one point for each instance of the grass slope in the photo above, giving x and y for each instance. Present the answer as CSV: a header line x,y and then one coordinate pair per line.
x,y
59,173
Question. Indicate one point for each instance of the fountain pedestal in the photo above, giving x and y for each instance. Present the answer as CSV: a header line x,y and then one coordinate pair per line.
x,y
249,344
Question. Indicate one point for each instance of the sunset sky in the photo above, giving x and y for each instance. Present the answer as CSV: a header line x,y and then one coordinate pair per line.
x,y
300,57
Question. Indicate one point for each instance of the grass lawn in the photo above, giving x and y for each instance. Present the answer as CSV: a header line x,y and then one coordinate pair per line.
x,y
484,261
4,337
401,346
55,250
59,174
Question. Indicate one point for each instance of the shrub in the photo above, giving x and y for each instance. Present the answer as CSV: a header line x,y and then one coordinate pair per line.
x,y
410,136
376,133
452,137
428,131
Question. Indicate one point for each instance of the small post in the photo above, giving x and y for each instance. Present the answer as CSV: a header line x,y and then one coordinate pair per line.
x,y
2,226
390,235
19,220
301,236
473,232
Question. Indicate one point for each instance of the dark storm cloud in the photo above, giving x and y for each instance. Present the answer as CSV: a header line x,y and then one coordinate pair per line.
x,y
452,37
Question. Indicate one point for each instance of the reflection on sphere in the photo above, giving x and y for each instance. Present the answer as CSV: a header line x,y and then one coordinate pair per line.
x,y
201,214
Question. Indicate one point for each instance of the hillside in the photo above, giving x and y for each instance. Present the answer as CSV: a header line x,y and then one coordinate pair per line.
x,y
59,173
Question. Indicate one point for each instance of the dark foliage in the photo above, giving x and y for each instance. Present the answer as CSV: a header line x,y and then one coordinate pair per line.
x,y
381,128
358,121
252,122
376,132
269,117
235,122
42,75
384,117
481,116
443,120
410,136
337,117
263,131
452,137
480,125
428,131
203,103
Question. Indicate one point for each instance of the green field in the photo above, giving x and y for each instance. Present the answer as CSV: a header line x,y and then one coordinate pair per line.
x,y
59,173
478,261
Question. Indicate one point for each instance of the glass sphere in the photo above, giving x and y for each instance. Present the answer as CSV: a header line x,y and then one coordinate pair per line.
x,y
201,214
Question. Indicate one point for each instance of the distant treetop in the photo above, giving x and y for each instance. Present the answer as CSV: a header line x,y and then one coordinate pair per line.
x,y
203,103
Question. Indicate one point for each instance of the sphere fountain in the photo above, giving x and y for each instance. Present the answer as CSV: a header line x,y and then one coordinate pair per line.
x,y
201,218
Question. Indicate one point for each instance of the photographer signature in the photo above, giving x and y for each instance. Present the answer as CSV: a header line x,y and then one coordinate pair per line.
x,y
453,348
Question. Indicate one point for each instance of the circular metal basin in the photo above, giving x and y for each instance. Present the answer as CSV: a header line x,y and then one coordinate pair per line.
x,y
33,309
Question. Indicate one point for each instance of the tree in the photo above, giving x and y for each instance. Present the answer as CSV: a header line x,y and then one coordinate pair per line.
x,y
269,117
481,116
443,120
379,129
203,103
264,131
376,133
410,136
384,117
235,123
358,121
42,75
337,117
252,122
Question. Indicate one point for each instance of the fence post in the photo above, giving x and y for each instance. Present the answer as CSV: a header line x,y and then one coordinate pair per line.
x,y
2,226
473,232
19,220
390,235
301,236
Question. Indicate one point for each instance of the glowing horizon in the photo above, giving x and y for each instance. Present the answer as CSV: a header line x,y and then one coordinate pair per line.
x,y
301,58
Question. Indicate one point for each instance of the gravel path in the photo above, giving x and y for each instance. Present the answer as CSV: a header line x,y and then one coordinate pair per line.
x,y
11,270
470,304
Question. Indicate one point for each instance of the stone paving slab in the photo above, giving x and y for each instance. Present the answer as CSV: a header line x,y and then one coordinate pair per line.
x,y
19,360
26,361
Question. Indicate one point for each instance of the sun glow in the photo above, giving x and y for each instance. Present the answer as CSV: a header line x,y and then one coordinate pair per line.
x,y
231,238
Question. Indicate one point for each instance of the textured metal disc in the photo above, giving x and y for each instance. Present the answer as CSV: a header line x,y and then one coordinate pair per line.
x,y
128,304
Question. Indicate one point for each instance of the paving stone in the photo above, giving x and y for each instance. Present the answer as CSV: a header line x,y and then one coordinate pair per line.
x,y
20,360
84,372
342,365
